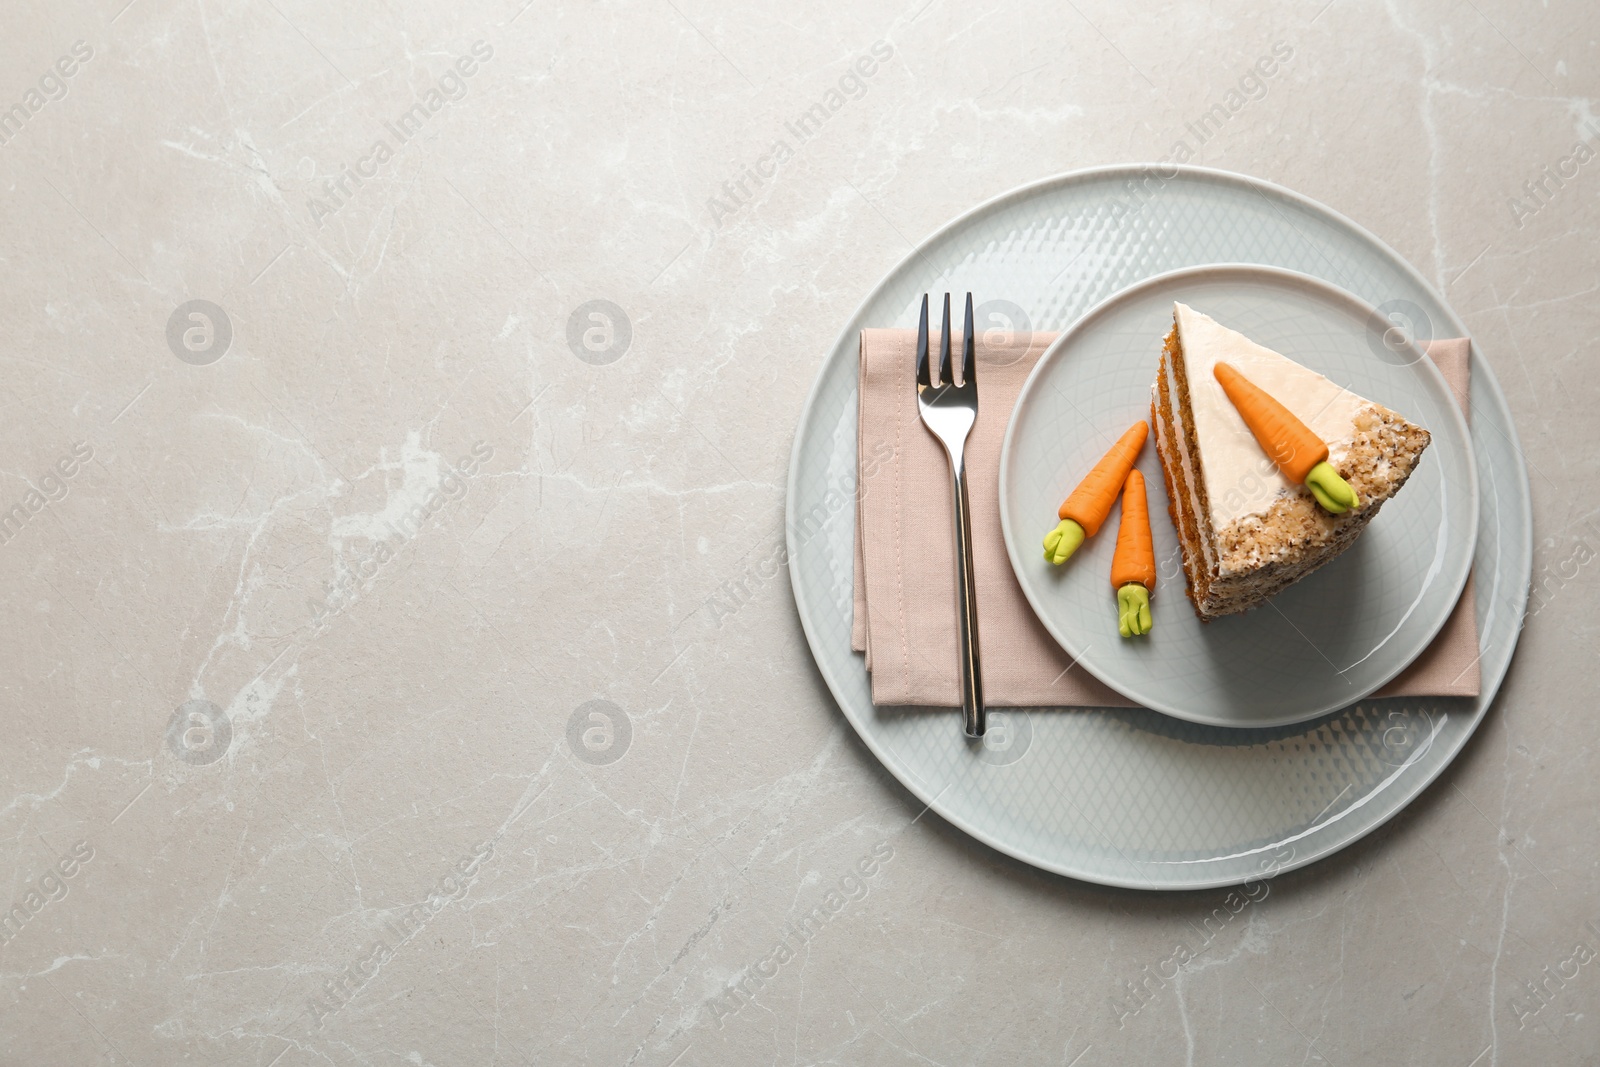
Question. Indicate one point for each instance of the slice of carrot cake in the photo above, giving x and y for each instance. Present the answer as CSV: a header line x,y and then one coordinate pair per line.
x,y
1271,469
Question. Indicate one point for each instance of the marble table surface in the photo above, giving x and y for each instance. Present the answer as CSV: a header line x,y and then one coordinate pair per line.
x,y
391,390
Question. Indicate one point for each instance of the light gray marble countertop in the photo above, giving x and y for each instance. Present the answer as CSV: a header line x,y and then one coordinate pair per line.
x,y
304,592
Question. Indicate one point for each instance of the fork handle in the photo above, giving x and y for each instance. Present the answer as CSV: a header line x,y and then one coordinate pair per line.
x,y
967,606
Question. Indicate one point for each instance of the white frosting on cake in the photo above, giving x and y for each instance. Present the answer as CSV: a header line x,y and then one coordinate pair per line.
x,y
1240,480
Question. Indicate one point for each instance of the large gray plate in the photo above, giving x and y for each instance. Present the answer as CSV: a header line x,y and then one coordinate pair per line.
x,y
1133,797
1320,645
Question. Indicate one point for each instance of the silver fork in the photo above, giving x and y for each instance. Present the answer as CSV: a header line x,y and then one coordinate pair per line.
x,y
949,410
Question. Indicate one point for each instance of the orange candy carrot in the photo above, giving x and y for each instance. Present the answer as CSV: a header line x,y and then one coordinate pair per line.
x,y
1133,565
1286,440
1135,557
1092,501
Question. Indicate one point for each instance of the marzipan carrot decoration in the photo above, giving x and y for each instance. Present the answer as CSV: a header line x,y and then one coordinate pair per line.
x,y
1301,455
1082,513
1133,567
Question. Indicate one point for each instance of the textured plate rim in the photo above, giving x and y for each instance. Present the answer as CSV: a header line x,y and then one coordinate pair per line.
x,y
852,326
1206,272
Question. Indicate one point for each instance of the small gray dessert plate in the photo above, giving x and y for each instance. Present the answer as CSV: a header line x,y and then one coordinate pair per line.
x,y
1330,639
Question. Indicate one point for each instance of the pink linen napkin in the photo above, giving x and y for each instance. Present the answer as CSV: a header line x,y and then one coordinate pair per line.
x,y
905,619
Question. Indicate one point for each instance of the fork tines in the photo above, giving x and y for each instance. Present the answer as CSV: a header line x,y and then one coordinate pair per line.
x,y
969,359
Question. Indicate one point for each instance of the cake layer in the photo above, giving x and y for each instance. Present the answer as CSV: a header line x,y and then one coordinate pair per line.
x,y
1180,497
1175,381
